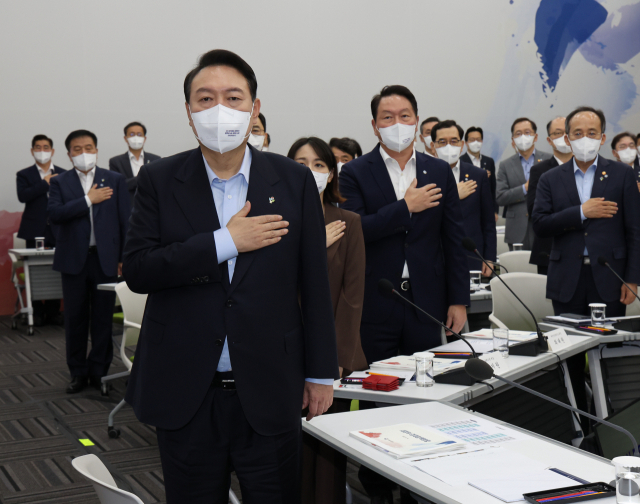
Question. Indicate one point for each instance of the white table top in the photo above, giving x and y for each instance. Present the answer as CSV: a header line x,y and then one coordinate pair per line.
x,y
26,253
334,431
614,338
520,367
107,286
481,294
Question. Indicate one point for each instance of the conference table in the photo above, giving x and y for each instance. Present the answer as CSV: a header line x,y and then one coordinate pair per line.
x,y
334,431
40,281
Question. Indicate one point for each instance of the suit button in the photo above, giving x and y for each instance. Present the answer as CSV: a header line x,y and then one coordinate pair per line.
x,y
219,342
229,303
586,234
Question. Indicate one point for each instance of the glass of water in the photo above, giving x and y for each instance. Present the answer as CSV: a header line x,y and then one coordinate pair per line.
x,y
501,341
627,479
39,243
475,280
598,314
518,246
424,369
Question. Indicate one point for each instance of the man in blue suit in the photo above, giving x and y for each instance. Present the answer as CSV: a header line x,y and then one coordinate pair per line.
x,y
412,225
90,207
474,191
474,138
590,206
33,190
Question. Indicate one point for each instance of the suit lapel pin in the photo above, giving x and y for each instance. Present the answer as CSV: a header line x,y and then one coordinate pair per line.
x,y
425,172
271,199
539,160
466,175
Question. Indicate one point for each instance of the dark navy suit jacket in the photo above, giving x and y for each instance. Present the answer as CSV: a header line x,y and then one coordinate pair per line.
x,y
556,213
430,241
541,247
32,191
277,313
478,214
122,165
68,209
488,164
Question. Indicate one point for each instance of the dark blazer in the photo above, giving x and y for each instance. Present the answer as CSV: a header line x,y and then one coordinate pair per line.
x,y
33,192
430,241
68,209
541,247
346,262
636,169
478,215
122,165
488,164
276,312
556,214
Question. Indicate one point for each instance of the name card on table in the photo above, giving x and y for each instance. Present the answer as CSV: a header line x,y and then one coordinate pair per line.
x,y
557,340
498,363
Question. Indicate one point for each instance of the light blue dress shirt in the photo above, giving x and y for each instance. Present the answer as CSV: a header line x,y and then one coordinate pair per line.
x,y
584,183
229,197
526,166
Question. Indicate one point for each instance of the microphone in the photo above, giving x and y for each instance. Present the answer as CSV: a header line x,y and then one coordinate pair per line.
x,y
603,262
492,262
454,377
480,370
525,348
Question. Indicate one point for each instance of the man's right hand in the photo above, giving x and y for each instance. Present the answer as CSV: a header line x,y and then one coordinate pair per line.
x,y
466,188
421,198
598,208
47,178
253,233
99,195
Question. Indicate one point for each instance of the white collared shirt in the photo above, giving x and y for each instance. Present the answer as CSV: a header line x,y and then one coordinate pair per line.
x,y
86,181
476,161
557,160
456,171
136,164
401,180
44,173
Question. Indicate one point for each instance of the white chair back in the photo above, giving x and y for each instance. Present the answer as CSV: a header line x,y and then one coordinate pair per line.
x,y
502,246
18,243
518,262
507,312
92,468
133,310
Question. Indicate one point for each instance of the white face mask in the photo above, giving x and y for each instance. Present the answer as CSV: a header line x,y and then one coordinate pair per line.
x,y
135,142
427,141
256,141
221,128
449,153
340,165
628,155
321,180
85,162
42,157
523,142
561,146
585,149
398,137
474,146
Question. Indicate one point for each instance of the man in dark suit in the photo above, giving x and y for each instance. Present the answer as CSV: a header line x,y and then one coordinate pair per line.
x,y
238,332
129,163
90,207
33,190
425,135
512,182
474,192
412,226
473,137
541,247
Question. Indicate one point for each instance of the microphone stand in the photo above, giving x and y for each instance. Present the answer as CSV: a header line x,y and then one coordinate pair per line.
x,y
631,325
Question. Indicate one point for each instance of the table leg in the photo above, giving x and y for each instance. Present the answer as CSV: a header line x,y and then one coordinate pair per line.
x,y
27,284
597,383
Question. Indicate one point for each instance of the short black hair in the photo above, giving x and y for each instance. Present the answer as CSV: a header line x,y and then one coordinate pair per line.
x,y
268,139
263,120
324,152
222,57
619,137
77,134
523,119
135,123
396,89
449,123
428,120
348,145
473,129
598,112
41,137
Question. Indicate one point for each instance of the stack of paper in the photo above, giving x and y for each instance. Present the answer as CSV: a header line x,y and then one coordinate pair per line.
x,y
513,335
402,362
407,440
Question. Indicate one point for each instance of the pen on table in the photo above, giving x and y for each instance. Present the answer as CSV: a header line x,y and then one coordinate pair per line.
x,y
570,496
380,374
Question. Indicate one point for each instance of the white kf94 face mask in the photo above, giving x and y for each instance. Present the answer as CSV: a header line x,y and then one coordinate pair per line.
x,y
474,146
256,141
449,153
135,142
85,162
398,137
561,145
523,142
221,128
628,155
42,157
322,179
585,149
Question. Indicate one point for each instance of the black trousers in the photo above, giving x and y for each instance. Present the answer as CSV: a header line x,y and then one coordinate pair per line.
x,y
586,292
49,307
197,459
85,306
542,270
403,333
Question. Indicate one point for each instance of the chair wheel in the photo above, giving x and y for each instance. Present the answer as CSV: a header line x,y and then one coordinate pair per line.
x,y
14,324
113,433
30,331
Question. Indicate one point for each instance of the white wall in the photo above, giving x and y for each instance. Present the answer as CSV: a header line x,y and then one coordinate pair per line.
x,y
70,64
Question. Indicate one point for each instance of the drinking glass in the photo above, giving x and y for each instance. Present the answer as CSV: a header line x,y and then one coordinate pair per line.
x,y
424,369
627,479
501,341
598,314
39,243
518,246
475,280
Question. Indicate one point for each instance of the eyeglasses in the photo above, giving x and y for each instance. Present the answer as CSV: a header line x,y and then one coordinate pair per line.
x,y
556,134
577,135
453,142
518,134
623,146
132,134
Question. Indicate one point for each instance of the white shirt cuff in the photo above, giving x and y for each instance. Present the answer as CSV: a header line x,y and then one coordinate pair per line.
x,y
582,214
225,247
86,198
320,381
